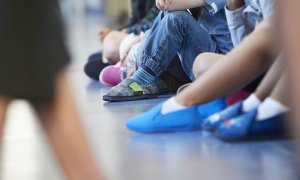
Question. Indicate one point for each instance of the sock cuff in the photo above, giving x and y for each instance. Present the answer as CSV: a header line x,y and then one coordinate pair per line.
x,y
254,98
173,101
269,108
276,104
142,77
251,102
145,74
171,105
148,70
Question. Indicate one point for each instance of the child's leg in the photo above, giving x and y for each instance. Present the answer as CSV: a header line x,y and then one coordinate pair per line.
x,y
3,107
266,86
276,103
269,82
111,45
239,67
204,62
61,123
280,91
290,28
176,32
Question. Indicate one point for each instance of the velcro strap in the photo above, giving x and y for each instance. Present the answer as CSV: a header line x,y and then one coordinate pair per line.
x,y
136,88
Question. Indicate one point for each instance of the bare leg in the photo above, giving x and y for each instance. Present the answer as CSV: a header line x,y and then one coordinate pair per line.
x,y
204,62
3,108
61,122
270,80
290,33
111,46
239,67
280,91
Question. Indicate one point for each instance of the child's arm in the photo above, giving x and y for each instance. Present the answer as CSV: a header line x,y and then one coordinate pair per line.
x,y
171,5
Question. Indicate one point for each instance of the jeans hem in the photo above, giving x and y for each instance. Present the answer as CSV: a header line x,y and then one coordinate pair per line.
x,y
152,65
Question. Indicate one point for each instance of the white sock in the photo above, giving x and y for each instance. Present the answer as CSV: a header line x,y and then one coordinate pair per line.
x,y
171,105
270,108
250,103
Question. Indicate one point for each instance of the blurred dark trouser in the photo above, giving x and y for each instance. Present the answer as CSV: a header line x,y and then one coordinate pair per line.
x,y
139,10
32,48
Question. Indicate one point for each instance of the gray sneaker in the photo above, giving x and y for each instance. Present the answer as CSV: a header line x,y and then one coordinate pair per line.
x,y
129,90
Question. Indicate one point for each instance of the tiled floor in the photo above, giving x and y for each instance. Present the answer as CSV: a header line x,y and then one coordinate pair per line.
x,y
125,155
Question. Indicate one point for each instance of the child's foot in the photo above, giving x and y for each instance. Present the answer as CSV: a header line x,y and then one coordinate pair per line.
x,y
94,66
235,110
213,121
111,75
129,90
187,119
247,126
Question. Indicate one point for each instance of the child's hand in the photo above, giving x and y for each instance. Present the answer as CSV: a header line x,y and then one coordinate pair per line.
x,y
163,4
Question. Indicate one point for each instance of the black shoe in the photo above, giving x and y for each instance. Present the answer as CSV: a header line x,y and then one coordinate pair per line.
x,y
94,66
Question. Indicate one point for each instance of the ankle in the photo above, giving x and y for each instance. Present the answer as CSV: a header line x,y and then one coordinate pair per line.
x,y
141,76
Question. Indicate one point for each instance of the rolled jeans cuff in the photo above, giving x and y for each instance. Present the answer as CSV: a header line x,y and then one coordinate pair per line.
x,y
154,66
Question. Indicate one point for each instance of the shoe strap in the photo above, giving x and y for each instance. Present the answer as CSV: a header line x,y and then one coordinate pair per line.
x,y
138,90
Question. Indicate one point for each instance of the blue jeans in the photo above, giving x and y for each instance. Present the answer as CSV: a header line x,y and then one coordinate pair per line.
x,y
172,33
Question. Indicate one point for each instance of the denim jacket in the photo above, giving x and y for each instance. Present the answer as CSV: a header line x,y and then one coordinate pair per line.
x,y
242,21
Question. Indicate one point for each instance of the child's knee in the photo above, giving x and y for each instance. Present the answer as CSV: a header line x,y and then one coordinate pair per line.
x,y
202,63
111,55
111,44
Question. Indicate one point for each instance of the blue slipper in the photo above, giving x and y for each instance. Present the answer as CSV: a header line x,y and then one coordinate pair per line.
x,y
184,120
213,121
247,127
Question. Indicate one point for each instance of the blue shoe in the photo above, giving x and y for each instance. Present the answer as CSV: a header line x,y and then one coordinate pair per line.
x,y
188,119
213,121
247,127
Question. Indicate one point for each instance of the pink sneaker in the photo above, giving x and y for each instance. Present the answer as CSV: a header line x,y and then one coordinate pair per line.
x,y
111,75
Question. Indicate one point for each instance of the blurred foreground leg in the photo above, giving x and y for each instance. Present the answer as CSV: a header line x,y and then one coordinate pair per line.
x,y
3,107
62,125
289,12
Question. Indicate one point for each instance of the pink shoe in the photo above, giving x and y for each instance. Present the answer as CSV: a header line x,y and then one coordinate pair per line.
x,y
111,75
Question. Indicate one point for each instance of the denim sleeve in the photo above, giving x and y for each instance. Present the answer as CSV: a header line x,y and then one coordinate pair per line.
x,y
238,25
214,6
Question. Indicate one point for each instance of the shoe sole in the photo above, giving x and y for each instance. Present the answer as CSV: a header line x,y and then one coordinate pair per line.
x,y
259,137
184,129
129,98
133,98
